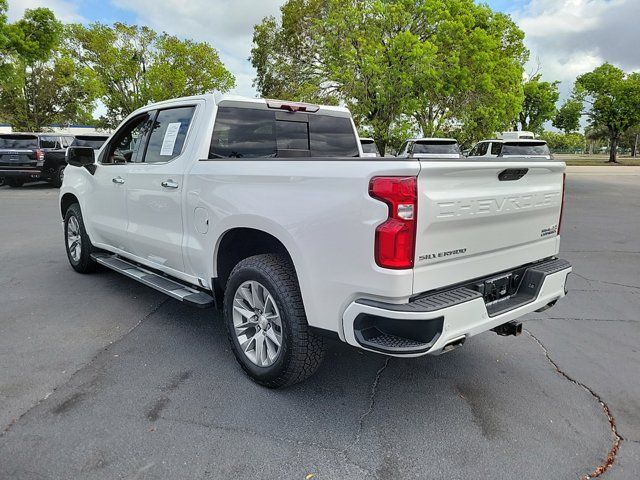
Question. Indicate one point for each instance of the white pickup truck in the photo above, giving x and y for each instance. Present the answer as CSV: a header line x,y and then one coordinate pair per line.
x,y
268,210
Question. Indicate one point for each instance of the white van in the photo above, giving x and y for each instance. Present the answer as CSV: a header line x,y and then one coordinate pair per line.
x,y
521,135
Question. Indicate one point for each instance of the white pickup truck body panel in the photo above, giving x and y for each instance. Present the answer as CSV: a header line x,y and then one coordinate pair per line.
x,y
321,211
472,224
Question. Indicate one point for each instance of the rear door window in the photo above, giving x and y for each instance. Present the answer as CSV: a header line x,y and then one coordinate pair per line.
x,y
168,134
18,142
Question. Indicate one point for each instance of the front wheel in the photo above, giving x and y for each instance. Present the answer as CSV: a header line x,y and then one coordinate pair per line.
x,y
77,241
266,323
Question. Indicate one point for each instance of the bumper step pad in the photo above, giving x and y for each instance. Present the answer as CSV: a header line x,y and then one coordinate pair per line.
x,y
170,287
392,343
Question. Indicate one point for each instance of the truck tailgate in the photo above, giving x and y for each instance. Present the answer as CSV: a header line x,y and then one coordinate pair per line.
x,y
478,218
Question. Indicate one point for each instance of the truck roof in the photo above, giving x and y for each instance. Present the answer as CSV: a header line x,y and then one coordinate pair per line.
x,y
247,101
514,140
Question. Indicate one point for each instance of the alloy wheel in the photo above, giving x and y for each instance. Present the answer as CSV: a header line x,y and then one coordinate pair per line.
x,y
257,323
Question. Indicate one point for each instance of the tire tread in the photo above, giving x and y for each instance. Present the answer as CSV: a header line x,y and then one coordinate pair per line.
x,y
306,349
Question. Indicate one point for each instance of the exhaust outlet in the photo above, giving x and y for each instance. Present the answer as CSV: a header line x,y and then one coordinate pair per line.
x,y
510,328
453,344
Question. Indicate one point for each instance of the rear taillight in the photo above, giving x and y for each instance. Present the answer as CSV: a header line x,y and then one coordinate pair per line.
x,y
564,182
40,156
396,237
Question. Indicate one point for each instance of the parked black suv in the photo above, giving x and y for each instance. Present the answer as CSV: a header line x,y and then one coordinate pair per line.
x,y
28,157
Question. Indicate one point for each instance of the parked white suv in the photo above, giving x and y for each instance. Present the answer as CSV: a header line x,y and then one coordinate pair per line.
x,y
510,148
264,209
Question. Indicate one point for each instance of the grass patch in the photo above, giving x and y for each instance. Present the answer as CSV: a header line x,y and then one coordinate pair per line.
x,y
597,160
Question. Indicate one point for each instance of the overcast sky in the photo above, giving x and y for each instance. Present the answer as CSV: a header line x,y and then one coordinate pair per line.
x,y
566,37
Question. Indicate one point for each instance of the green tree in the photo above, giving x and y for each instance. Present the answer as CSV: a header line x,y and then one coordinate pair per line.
x,y
4,40
597,137
612,101
568,117
539,104
135,65
287,54
473,83
564,142
32,38
445,63
631,139
38,86
38,94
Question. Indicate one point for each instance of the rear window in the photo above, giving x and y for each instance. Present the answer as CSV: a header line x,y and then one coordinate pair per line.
x,y
525,148
436,147
93,142
18,141
50,142
369,146
257,133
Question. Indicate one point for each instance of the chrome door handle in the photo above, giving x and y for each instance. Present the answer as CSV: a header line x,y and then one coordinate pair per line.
x,y
118,180
169,184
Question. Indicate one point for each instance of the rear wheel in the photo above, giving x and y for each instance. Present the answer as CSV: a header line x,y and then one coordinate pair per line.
x,y
58,177
77,241
266,322
14,182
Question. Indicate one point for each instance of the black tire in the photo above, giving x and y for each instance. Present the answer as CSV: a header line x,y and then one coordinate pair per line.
x,y
14,182
301,351
83,263
58,176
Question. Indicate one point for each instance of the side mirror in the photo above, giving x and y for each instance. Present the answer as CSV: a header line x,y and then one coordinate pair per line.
x,y
81,156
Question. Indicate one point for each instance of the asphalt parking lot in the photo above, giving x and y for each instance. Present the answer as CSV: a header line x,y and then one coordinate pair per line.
x,y
103,378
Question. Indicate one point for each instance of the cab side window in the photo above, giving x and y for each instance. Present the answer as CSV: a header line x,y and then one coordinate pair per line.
x,y
496,148
50,142
481,149
403,149
168,134
127,144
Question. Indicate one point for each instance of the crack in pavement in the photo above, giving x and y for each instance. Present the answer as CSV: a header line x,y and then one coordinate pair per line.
x,y
617,439
255,433
82,367
372,401
580,319
589,280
